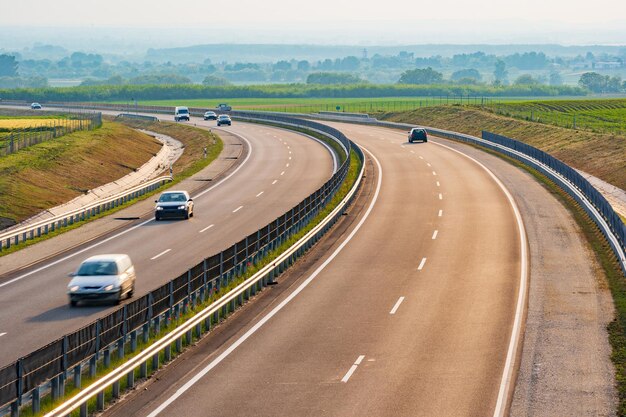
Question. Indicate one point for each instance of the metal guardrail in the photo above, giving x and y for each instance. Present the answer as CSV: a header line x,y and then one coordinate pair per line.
x,y
590,199
137,116
46,370
20,234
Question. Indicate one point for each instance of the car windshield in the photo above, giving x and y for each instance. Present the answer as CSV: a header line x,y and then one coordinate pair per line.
x,y
183,111
97,268
174,197
224,117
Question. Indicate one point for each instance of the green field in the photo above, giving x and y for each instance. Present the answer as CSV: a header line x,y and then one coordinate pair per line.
x,y
314,105
606,116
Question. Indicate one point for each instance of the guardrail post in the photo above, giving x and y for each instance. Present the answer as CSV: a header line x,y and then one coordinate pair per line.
x,y
107,357
36,400
130,379
168,353
143,370
100,401
54,389
15,409
116,389
133,340
155,362
83,410
77,375
61,385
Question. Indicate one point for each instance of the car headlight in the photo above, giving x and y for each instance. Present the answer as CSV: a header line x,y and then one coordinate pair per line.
x,y
74,288
159,208
181,207
109,287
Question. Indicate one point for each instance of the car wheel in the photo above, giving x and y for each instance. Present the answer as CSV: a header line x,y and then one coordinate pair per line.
x,y
186,215
425,140
73,303
157,218
132,291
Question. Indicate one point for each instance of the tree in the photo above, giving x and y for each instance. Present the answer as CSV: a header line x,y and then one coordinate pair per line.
x,y
421,76
500,73
333,78
555,78
526,79
593,81
8,66
215,80
304,66
282,66
465,74
350,63
614,84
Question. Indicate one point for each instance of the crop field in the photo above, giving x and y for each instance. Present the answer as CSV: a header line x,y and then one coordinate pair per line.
x,y
314,105
22,123
606,116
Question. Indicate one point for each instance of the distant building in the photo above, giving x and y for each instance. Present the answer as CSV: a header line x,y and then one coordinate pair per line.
x,y
607,65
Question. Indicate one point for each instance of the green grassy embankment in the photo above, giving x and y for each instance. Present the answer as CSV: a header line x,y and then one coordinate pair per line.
x,y
54,172
600,154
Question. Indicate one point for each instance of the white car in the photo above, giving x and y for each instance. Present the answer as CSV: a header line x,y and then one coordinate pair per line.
x,y
102,278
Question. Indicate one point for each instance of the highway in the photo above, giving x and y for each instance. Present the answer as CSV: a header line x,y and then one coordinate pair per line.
x,y
280,169
410,312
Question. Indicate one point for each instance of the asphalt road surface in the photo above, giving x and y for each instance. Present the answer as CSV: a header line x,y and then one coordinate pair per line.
x,y
410,313
282,169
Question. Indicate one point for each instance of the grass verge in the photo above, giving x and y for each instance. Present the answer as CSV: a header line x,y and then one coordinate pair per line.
x,y
54,172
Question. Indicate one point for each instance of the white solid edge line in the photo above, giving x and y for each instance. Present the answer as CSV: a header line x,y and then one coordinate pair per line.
x,y
396,305
435,233
160,254
65,258
279,307
509,365
206,228
422,263
237,209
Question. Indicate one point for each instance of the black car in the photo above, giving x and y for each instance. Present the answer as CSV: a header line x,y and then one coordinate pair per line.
x,y
210,115
417,133
224,119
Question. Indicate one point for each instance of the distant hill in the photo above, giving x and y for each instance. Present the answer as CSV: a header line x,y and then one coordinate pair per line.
x,y
274,52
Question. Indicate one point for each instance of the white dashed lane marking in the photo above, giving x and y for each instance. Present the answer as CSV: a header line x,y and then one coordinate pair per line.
x,y
352,369
419,268
282,173
259,194
275,181
237,209
440,213
2,334
440,196
397,305
435,233
206,228
160,254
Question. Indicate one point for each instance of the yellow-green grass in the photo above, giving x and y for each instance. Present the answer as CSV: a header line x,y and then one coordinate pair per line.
x,y
599,154
31,123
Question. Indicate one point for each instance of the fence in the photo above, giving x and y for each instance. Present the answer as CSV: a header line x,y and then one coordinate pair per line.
x,y
12,140
51,364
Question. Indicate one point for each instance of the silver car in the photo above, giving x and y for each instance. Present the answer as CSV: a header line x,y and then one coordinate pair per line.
x,y
173,204
102,278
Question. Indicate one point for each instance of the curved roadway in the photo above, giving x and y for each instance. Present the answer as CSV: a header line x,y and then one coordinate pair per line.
x,y
412,315
283,168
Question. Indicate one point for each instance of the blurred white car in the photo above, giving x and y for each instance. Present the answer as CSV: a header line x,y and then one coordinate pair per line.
x,y
102,278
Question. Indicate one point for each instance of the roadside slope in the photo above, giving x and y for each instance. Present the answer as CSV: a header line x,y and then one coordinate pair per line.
x,y
59,170
601,155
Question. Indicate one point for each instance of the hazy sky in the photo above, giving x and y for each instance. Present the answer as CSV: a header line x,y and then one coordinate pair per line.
x,y
367,21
